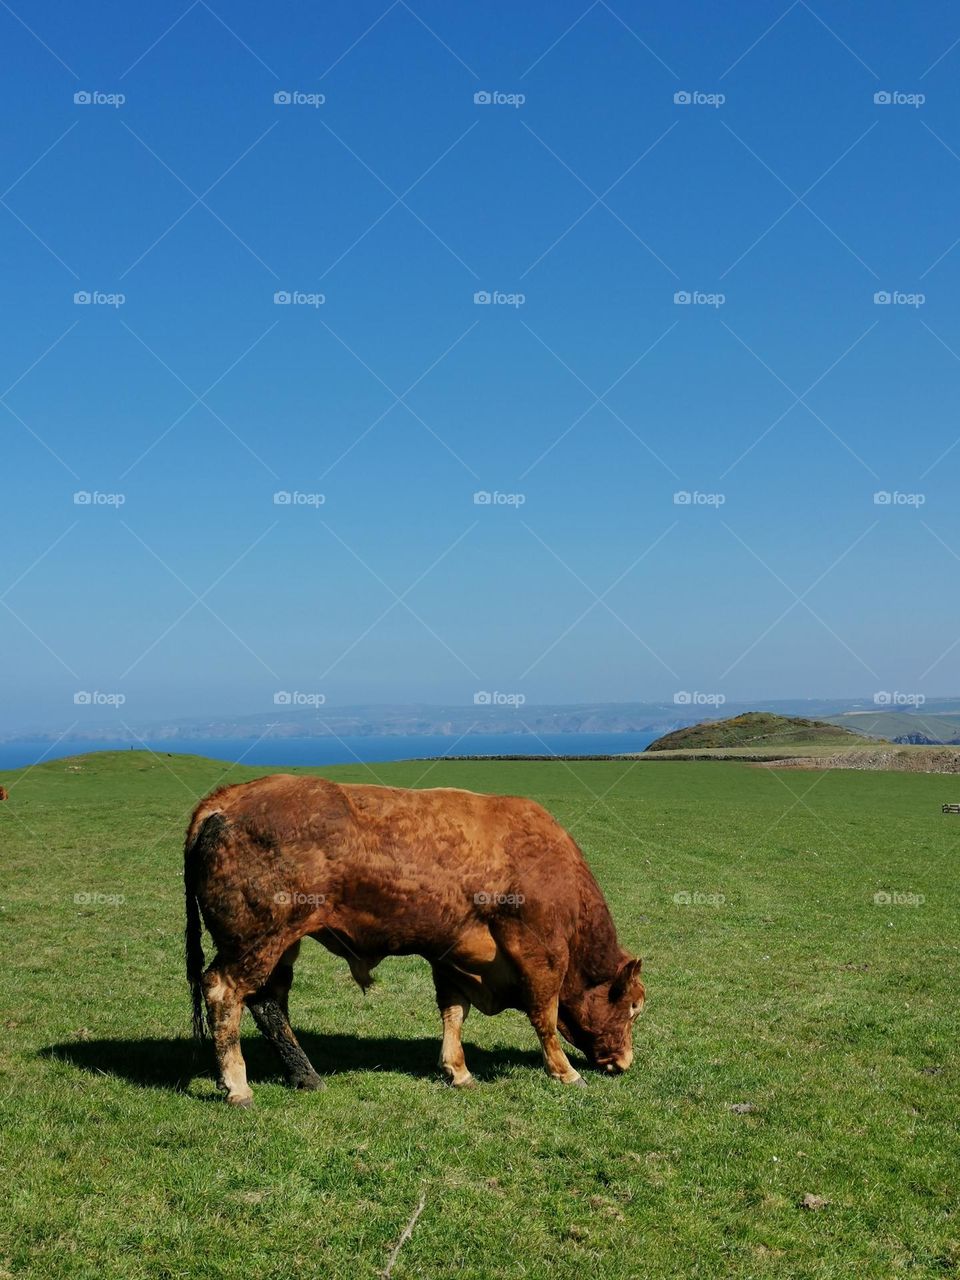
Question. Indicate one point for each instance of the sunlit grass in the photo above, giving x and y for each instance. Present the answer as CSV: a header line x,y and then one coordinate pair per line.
x,y
782,984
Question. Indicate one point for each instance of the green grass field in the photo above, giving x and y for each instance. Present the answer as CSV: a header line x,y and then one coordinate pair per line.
x,y
774,980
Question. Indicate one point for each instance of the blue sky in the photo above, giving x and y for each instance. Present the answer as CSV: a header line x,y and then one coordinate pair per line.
x,y
597,398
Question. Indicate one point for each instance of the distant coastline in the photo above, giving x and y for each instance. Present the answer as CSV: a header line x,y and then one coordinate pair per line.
x,y
318,752
423,719
341,734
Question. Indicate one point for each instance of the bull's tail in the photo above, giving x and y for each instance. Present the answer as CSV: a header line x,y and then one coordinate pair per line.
x,y
195,961
202,830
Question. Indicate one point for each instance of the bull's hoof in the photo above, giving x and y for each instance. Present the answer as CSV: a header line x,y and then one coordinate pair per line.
x,y
577,1081
468,1082
246,1103
310,1083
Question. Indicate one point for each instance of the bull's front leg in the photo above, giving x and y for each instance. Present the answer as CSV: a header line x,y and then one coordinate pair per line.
x,y
541,972
454,1008
544,1020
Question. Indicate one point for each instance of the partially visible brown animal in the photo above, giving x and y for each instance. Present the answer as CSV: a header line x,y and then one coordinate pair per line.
x,y
4,793
489,889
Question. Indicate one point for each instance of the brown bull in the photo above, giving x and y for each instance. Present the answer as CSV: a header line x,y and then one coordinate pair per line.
x,y
489,889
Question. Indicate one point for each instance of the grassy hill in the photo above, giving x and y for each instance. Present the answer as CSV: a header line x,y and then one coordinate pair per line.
x,y
799,1041
756,730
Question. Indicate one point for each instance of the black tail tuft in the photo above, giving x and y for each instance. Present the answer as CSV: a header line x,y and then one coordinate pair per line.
x,y
211,830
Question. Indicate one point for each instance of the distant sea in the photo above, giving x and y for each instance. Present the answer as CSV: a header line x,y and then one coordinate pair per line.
x,y
274,752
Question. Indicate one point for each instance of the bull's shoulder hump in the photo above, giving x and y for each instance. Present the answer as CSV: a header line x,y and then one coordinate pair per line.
x,y
414,795
280,788
438,795
465,791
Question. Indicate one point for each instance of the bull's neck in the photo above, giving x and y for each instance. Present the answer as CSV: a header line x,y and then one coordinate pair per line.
x,y
595,952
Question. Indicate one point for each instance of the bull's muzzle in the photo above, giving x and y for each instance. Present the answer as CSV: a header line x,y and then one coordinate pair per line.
x,y
621,1062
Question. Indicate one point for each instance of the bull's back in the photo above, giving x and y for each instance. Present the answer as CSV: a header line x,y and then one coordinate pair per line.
x,y
393,869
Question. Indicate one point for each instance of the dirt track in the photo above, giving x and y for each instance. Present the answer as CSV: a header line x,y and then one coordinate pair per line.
x,y
929,760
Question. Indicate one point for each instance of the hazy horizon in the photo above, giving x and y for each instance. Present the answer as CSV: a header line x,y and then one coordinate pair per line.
x,y
89,718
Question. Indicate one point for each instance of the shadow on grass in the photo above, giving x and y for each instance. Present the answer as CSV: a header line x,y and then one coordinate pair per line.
x,y
173,1063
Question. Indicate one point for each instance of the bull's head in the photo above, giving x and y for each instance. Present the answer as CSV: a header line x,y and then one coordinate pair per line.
x,y
600,1021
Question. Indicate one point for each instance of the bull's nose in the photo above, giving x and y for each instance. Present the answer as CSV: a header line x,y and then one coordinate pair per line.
x,y
613,1069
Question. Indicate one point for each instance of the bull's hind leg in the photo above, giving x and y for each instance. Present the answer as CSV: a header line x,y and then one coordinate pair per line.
x,y
224,999
270,1012
454,1008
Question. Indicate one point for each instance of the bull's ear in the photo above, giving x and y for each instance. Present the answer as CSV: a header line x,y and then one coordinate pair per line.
x,y
629,971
